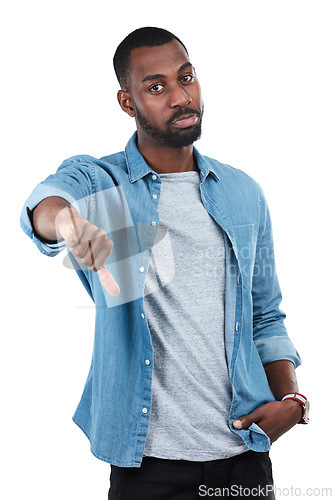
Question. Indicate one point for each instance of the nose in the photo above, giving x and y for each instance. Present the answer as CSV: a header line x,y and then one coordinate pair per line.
x,y
178,97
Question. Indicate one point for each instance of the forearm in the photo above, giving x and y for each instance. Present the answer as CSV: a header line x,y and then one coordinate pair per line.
x,y
281,377
276,417
282,380
45,214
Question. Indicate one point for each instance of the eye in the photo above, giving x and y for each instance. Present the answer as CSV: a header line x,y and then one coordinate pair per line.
x,y
156,88
187,78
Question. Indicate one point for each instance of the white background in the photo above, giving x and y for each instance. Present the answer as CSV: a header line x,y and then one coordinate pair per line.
x,y
266,73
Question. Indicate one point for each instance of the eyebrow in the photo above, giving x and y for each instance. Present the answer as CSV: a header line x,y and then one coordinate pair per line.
x,y
159,75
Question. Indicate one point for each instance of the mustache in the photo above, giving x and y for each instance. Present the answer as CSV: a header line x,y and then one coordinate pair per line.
x,y
184,111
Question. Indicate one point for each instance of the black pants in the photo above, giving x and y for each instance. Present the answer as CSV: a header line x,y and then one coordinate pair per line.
x,y
248,475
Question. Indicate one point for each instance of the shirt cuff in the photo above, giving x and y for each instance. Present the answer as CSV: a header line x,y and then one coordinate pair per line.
x,y
42,191
276,348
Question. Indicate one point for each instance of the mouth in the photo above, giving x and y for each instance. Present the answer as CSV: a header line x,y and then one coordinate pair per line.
x,y
185,121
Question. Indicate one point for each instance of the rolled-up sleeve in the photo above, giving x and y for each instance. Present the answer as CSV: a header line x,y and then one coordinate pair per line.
x,y
269,332
74,182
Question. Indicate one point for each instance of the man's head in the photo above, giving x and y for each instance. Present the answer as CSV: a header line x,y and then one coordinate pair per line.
x,y
142,37
159,87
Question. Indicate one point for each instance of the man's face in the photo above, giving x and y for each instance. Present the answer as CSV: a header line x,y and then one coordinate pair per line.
x,y
166,95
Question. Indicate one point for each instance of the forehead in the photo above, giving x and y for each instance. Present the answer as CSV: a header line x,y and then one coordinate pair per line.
x,y
161,59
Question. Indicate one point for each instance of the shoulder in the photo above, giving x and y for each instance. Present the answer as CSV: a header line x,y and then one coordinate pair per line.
x,y
234,179
101,172
84,161
230,173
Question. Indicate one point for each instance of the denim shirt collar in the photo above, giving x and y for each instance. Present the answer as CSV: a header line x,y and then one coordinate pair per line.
x,y
138,168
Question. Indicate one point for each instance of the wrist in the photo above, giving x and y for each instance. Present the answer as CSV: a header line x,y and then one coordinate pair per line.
x,y
303,403
44,217
294,409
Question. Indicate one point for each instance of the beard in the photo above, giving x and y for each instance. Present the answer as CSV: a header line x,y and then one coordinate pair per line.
x,y
169,137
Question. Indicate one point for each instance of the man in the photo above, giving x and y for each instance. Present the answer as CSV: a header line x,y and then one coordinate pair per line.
x,y
191,357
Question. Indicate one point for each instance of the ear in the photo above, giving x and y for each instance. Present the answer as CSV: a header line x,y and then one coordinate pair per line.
x,y
126,103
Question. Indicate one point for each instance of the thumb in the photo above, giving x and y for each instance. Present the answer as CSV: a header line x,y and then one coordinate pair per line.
x,y
243,422
108,281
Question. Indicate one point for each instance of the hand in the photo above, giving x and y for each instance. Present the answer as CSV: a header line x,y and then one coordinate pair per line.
x,y
273,418
88,243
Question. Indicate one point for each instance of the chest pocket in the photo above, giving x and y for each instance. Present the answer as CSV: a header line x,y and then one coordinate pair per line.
x,y
245,249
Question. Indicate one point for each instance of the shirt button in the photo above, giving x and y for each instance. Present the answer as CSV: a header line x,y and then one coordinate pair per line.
x,y
147,362
154,177
144,410
154,196
142,315
141,269
153,223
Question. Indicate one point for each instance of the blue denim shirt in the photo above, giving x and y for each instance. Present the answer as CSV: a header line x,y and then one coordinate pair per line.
x,y
121,194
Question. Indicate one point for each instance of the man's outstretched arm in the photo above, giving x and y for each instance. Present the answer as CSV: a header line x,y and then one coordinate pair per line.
x,y
55,219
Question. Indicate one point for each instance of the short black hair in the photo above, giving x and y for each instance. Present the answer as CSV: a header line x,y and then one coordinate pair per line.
x,y
142,37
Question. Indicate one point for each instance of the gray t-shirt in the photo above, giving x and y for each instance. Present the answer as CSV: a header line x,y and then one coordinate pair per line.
x,y
184,305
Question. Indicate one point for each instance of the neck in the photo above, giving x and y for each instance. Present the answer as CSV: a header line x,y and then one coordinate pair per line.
x,y
166,160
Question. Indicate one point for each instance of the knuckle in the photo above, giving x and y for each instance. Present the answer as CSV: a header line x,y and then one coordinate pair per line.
x,y
83,225
98,263
91,231
96,233
89,263
79,252
86,227
72,240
